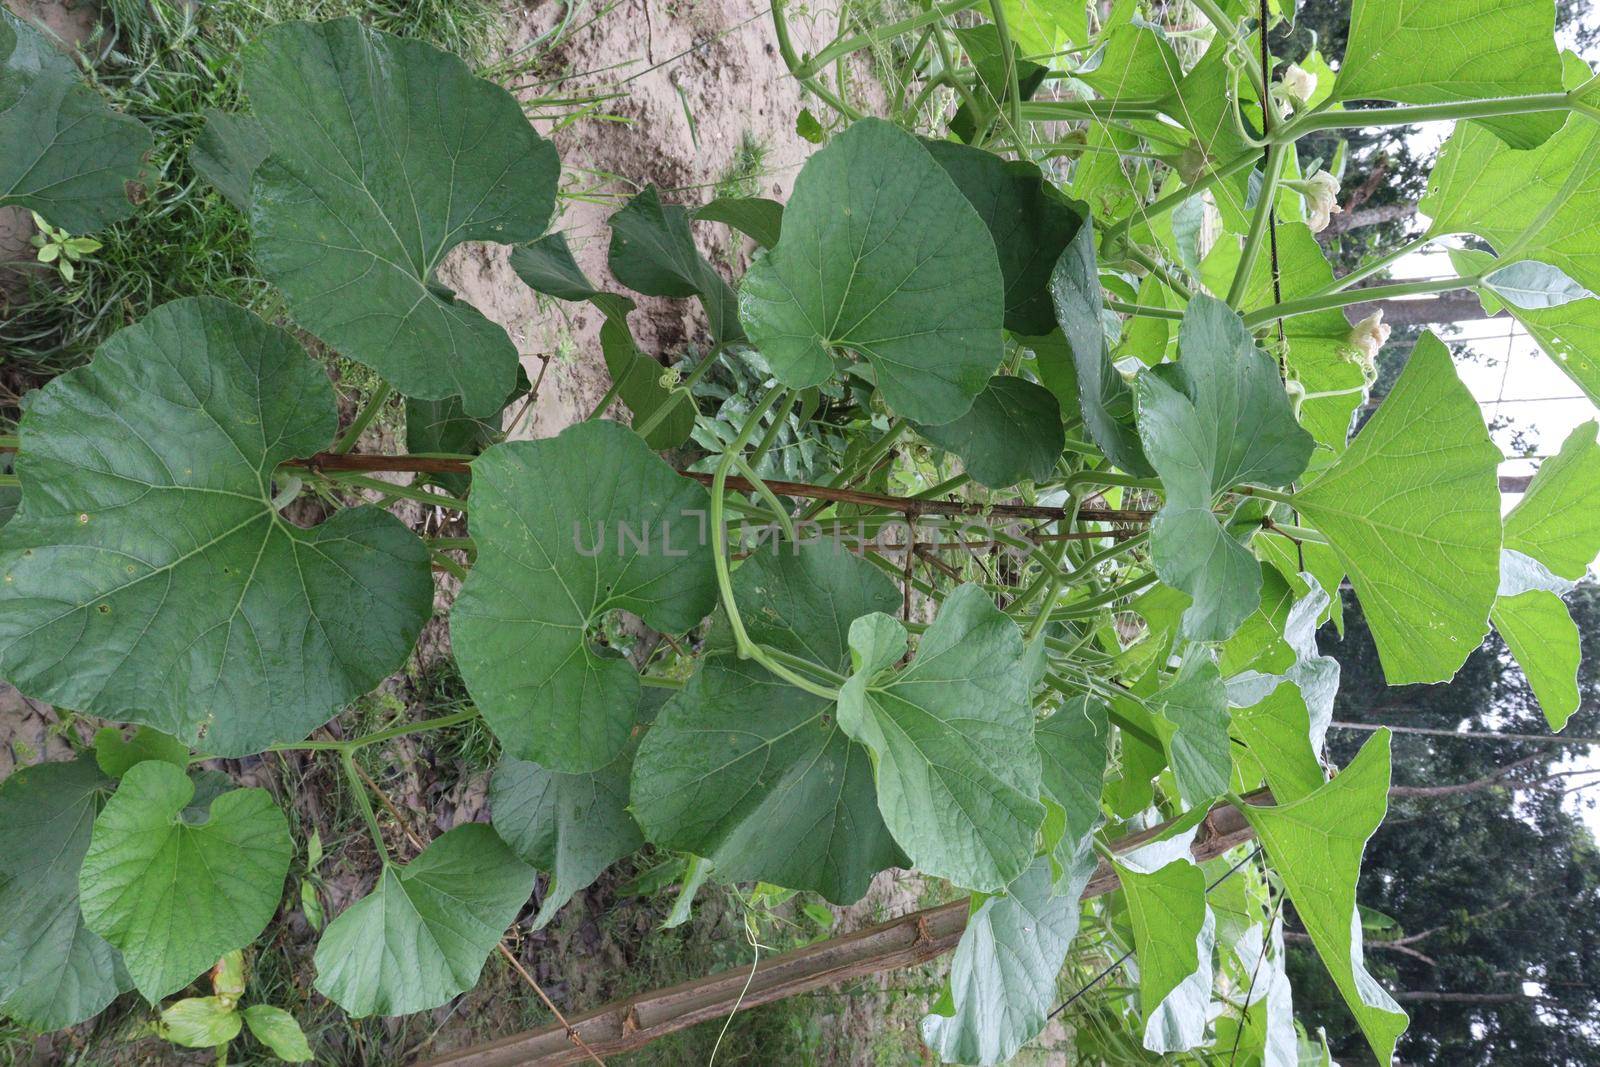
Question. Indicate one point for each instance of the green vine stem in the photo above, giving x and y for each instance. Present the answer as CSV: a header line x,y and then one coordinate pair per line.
x,y
746,648
841,48
364,418
1266,204
347,761
1322,302
801,72
442,722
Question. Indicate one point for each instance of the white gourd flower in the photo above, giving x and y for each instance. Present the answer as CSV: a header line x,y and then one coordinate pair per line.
x,y
1321,192
1298,84
1366,337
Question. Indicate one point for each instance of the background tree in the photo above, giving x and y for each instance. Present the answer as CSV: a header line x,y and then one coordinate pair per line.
x,y
1490,873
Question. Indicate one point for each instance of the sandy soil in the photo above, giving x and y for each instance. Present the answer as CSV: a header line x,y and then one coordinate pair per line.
x,y
706,59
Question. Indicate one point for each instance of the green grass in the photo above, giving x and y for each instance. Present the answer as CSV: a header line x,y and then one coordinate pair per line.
x,y
746,169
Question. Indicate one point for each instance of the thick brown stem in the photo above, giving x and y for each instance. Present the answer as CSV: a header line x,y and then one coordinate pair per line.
x,y
330,461
629,1024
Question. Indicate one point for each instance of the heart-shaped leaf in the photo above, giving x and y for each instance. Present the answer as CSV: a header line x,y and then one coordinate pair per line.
x,y
386,154
227,152
1106,399
1003,974
1191,718
547,266
1552,217
421,936
1173,934
1551,537
568,529
230,861
1315,845
653,252
755,774
1029,219
1012,432
756,217
148,577
63,152
883,257
1449,50
951,737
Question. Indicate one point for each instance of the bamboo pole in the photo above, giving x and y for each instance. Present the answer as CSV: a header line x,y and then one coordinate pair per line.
x,y
631,1023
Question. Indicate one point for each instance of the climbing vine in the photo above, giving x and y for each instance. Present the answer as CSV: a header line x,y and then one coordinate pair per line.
x,y
1098,491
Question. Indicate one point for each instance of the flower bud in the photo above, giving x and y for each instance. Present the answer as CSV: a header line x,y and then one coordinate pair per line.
x,y
1366,337
1321,192
1298,84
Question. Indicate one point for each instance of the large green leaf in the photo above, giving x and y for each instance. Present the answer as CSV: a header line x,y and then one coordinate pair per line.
x,y
572,826
1557,521
1191,718
1217,418
148,576
755,774
1011,433
1315,845
227,152
421,936
1276,731
653,252
1413,511
63,152
951,738
1554,216
1542,636
278,1030
1447,50
568,529
1137,61
993,63
1570,335
54,970
1029,219
881,256
174,887
386,154
756,217
1551,537
116,754
1105,398
1173,935
1003,973
547,266
1074,749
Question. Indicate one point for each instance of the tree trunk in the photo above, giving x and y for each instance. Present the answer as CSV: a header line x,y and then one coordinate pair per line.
x,y
1441,997
1346,221
1459,306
